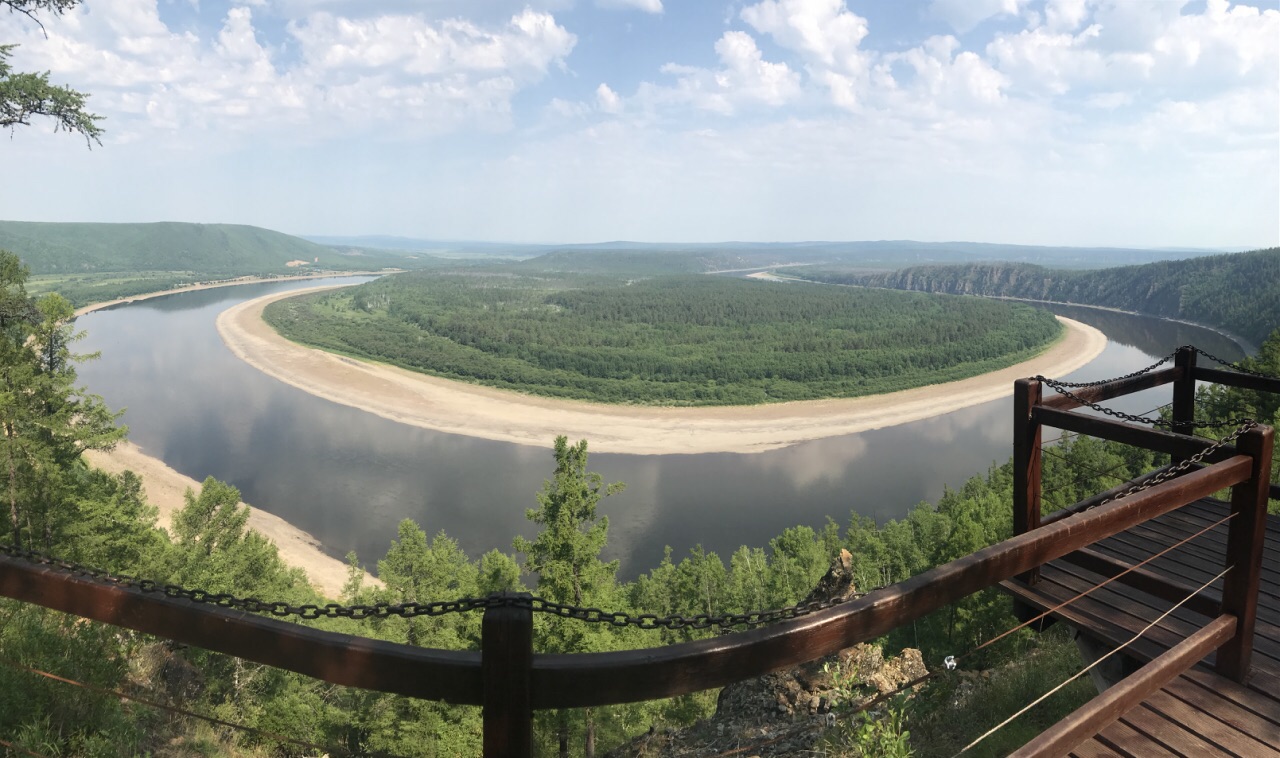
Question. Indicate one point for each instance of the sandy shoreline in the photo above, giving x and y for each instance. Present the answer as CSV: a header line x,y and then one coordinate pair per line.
x,y
165,489
224,283
460,408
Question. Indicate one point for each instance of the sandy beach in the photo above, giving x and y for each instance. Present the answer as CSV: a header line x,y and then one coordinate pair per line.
x,y
165,488
224,283
461,408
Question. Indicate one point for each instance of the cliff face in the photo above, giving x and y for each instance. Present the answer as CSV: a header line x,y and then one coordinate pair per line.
x,y
1238,292
787,712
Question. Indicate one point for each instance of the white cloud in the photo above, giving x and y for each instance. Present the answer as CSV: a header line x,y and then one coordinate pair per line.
x,y
964,15
423,76
1144,47
744,78
1065,15
826,34
608,100
944,74
648,6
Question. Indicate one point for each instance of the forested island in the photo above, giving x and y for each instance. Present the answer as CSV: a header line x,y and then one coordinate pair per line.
x,y
1238,292
668,340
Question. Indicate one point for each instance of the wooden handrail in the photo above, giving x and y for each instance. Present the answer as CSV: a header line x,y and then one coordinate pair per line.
x,y
1246,538
451,676
1237,379
1106,708
586,679
560,681
1183,445
1100,498
510,681
1113,389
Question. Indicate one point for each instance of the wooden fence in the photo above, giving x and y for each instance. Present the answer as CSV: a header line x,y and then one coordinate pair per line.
x,y
511,681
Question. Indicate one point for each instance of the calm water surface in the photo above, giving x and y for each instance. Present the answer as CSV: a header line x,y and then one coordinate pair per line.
x,y
349,477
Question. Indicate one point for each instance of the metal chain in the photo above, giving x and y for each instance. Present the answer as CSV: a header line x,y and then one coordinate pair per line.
x,y
536,604
1061,389
1100,382
1229,364
1183,466
699,621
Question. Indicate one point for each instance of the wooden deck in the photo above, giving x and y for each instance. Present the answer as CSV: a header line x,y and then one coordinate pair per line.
x,y
1200,713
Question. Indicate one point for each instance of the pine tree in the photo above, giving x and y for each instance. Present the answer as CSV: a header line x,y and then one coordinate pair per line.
x,y
565,556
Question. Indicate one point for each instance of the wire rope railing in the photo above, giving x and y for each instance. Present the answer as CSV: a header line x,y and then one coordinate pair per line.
x,y
1101,659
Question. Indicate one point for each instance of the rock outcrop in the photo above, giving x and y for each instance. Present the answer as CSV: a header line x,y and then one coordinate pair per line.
x,y
786,712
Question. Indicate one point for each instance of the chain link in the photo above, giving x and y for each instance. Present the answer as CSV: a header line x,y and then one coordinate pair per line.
x,y
1164,360
1100,382
1061,389
310,612
1184,465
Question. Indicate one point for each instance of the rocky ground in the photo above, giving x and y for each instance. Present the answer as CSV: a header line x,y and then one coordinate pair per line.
x,y
788,712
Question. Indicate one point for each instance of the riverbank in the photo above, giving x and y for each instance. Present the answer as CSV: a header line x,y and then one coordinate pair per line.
x,y
225,283
166,488
459,408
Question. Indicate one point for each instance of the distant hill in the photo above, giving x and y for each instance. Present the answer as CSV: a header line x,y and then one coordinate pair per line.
x,y
216,249
1238,292
873,254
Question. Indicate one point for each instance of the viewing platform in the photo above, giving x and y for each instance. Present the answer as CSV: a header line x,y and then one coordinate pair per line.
x,y
1177,592
1200,713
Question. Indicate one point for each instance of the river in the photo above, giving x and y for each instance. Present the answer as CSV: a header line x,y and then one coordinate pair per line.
x,y
348,477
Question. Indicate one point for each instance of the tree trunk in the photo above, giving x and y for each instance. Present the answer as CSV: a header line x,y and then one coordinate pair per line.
x,y
564,734
590,747
13,491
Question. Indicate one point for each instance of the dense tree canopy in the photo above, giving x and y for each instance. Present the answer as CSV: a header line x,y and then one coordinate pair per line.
x,y
681,340
1238,292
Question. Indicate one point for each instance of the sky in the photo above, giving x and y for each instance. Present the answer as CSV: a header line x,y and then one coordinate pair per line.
x,y
1145,123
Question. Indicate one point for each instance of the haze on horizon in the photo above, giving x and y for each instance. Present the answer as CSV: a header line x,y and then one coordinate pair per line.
x,y
1134,123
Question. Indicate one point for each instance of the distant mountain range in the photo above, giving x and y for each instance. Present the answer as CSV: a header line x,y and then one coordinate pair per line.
x,y
882,254
213,249
235,249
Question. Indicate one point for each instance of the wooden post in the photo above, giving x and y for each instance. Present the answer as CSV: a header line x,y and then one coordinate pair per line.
x,y
1248,530
1184,393
506,662
1026,463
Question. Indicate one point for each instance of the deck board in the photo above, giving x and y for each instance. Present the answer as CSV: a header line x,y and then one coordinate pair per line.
x,y
1199,713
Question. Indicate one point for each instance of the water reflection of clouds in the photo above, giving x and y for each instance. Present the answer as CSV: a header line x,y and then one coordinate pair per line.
x,y
812,463
348,477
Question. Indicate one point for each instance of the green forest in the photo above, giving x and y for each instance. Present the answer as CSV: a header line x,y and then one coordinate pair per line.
x,y
671,340
208,249
58,504
1238,292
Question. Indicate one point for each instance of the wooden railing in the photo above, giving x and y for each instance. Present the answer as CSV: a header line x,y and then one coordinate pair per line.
x,y
510,681
1234,615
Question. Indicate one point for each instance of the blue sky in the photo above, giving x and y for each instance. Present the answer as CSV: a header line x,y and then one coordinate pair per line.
x,y
1058,122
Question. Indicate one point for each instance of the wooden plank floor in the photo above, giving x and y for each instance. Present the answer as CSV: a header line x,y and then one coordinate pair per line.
x,y
1199,713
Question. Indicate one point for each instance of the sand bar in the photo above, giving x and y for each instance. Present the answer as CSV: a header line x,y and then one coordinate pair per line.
x,y
224,283
461,408
165,488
